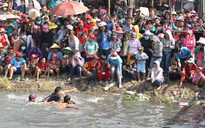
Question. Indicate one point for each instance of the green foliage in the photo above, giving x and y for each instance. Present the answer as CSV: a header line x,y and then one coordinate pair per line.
x,y
132,97
162,99
47,86
5,83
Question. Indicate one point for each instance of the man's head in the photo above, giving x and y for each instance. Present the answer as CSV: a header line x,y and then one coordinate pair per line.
x,y
67,99
58,90
95,59
18,56
179,51
132,59
22,3
10,50
103,59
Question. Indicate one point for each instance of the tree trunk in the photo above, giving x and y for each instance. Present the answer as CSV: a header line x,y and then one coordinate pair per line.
x,y
130,10
108,7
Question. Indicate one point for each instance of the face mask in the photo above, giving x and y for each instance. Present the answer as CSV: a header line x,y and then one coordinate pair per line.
x,y
146,38
88,21
38,22
5,8
66,56
23,48
58,23
67,52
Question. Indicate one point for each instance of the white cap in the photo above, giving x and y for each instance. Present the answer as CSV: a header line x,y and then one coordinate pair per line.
x,y
174,13
102,24
70,27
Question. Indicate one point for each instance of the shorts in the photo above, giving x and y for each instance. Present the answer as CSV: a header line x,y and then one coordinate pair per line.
x,y
18,71
141,68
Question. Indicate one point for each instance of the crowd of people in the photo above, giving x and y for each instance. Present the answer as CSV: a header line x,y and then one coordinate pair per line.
x,y
166,45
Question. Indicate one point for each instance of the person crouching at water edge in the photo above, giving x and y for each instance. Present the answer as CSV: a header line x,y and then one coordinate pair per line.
x,y
188,71
115,62
17,65
103,70
56,95
66,103
90,67
157,77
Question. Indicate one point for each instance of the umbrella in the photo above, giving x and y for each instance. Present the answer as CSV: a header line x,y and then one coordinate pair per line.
x,y
69,8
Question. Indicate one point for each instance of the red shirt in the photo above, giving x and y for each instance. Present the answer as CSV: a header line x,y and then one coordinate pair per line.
x,y
79,33
53,64
4,41
25,23
89,66
104,67
42,66
188,69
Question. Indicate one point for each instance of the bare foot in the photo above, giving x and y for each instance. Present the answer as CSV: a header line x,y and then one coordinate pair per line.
x,y
180,85
22,79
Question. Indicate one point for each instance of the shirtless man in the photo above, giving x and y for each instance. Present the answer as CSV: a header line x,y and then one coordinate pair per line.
x,y
67,103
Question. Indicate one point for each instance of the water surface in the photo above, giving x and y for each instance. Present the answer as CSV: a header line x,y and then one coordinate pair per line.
x,y
97,111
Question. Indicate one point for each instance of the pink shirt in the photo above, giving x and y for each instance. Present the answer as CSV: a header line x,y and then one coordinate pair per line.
x,y
190,43
201,55
198,76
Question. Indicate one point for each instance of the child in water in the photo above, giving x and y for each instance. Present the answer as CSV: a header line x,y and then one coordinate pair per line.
x,y
32,98
66,103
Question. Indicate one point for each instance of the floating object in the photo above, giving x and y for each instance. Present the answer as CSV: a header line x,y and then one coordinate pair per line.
x,y
184,104
131,92
109,86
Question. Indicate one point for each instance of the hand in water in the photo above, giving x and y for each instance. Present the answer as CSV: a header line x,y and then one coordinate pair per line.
x,y
75,90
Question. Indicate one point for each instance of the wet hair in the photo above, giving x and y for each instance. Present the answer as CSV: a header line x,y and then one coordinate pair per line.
x,y
57,89
66,98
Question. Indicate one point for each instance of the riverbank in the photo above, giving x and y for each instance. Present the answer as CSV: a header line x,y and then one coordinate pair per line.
x,y
167,92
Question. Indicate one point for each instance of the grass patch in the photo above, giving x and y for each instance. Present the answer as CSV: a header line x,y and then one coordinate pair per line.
x,y
4,83
132,97
47,86
162,99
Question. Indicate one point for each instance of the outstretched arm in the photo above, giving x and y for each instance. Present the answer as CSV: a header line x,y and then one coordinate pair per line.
x,y
70,90
76,107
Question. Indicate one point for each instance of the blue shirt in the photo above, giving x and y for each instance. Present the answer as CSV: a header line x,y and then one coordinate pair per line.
x,y
10,30
185,53
141,56
91,47
115,61
16,63
110,26
21,9
104,40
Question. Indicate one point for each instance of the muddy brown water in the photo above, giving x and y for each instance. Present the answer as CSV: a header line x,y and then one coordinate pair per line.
x,y
97,111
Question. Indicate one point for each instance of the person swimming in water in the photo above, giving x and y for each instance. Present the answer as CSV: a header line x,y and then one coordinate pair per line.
x,y
56,95
67,103
32,98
